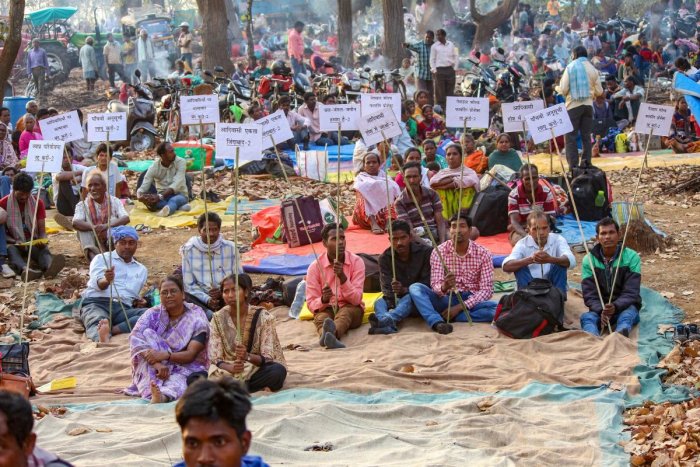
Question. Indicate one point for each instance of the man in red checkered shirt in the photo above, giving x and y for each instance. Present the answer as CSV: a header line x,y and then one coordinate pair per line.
x,y
470,273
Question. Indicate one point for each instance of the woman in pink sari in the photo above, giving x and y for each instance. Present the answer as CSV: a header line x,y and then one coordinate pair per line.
x,y
168,345
28,135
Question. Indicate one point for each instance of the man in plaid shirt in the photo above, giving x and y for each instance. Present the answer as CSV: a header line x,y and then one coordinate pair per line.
x,y
422,49
470,274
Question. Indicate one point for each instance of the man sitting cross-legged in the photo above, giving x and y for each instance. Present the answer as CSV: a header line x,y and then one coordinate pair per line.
x,y
541,255
164,184
470,273
412,264
346,274
198,272
95,211
623,311
120,272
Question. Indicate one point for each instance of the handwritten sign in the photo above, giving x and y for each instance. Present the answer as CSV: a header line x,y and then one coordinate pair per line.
x,y
65,127
346,114
246,137
196,109
373,125
514,114
102,127
473,110
45,156
371,103
275,126
652,117
542,123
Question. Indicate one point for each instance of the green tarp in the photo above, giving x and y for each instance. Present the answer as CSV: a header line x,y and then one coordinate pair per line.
x,y
46,15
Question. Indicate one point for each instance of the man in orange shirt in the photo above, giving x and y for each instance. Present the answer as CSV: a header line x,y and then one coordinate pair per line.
x,y
295,47
335,314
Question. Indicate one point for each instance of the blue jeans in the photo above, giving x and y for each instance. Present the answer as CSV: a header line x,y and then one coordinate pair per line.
x,y
394,316
174,202
624,320
5,185
556,275
297,66
430,304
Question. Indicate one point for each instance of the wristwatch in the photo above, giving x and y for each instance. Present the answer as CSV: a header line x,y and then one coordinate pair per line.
x,y
247,358
219,363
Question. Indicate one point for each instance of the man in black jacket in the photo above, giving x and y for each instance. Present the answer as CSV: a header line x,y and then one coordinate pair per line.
x,y
412,261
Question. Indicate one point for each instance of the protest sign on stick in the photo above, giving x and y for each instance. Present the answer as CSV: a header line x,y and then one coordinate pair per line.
x,y
653,118
64,127
378,126
514,114
467,112
345,114
195,110
371,103
246,138
45,156
549,123
275,127
106,127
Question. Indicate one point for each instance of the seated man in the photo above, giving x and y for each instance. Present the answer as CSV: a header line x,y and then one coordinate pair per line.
x,y
309,110
5,269
520,203
66,191
18,443
541,255
603,260
429,202
335,314
470,274
211,415
164,188
117,277
95,212
412,264
298,124
196,275
20,206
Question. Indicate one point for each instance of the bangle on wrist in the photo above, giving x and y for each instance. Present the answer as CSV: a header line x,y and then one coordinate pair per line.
x,y
170,354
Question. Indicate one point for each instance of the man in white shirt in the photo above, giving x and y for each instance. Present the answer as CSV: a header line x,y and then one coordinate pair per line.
x,y
309,111
631,96
443,62
540,255
298,124
118,278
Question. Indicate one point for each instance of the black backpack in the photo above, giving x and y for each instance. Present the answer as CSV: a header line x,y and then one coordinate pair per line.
x,y
489,211
534,311
586,183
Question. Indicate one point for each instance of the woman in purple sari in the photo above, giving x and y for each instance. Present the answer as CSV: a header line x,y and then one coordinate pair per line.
x,y
168,344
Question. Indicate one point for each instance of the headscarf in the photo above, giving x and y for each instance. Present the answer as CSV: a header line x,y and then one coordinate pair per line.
x,y
124,231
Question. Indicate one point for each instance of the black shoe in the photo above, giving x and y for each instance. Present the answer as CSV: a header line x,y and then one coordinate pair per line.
x,y
442,328
373,321
625,332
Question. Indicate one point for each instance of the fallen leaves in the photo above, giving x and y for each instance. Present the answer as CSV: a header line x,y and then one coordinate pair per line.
x,y
81,430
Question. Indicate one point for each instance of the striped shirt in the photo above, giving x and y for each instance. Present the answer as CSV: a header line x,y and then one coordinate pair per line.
x,y
423,55
429,204
519,204
473,271
195,265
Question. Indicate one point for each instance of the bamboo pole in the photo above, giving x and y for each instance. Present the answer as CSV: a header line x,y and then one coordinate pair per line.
x,y
204,197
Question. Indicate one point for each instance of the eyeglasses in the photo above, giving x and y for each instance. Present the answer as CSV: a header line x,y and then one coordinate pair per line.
x,y
169,293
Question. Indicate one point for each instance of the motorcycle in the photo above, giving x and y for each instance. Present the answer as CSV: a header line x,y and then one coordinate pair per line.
x,y
349,87
480,81
141,114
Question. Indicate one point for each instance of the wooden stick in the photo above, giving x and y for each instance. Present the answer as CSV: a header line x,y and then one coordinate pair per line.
x,y
551,156
578,222
204,197
235,241
388,220
109,228
29,253
527,155
337,207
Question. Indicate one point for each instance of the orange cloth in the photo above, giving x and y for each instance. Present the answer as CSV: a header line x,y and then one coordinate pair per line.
x,y
477,161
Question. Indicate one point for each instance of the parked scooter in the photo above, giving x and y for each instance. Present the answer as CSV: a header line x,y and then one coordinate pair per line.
x,y
141,114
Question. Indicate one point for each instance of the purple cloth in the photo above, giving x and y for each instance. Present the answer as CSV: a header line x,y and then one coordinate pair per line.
x,y
35,58
153,331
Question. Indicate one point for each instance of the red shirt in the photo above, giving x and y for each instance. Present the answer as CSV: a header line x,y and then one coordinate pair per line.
x,y
519,204
40,215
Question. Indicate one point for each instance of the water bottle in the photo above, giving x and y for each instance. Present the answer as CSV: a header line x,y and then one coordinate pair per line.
x,y
600,199
299,299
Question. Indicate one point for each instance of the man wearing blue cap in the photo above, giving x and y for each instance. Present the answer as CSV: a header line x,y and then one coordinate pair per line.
x,y
117,277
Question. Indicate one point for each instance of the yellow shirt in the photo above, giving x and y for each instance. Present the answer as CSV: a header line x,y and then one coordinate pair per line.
x,y
553,7
129,53
184,39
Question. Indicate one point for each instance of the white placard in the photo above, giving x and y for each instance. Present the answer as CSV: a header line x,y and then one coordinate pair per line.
x,y
541,124
199,109
473,110
371,103
346,114
64,127
514,114
372,126
99,125
275,126
654,117
247,137
45,156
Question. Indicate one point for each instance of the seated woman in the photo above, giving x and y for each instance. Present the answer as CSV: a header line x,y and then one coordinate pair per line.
x,y
505,154
431,155
371,195
420,98
117,182
432,126
28,135
168,345
254,350
8,158
474,158
413,155
447,183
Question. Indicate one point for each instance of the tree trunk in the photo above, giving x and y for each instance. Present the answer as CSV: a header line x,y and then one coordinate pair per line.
x,y
345,32
249,34
234,28
215,52
13,41
435,11
610,7
394,35
489,22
